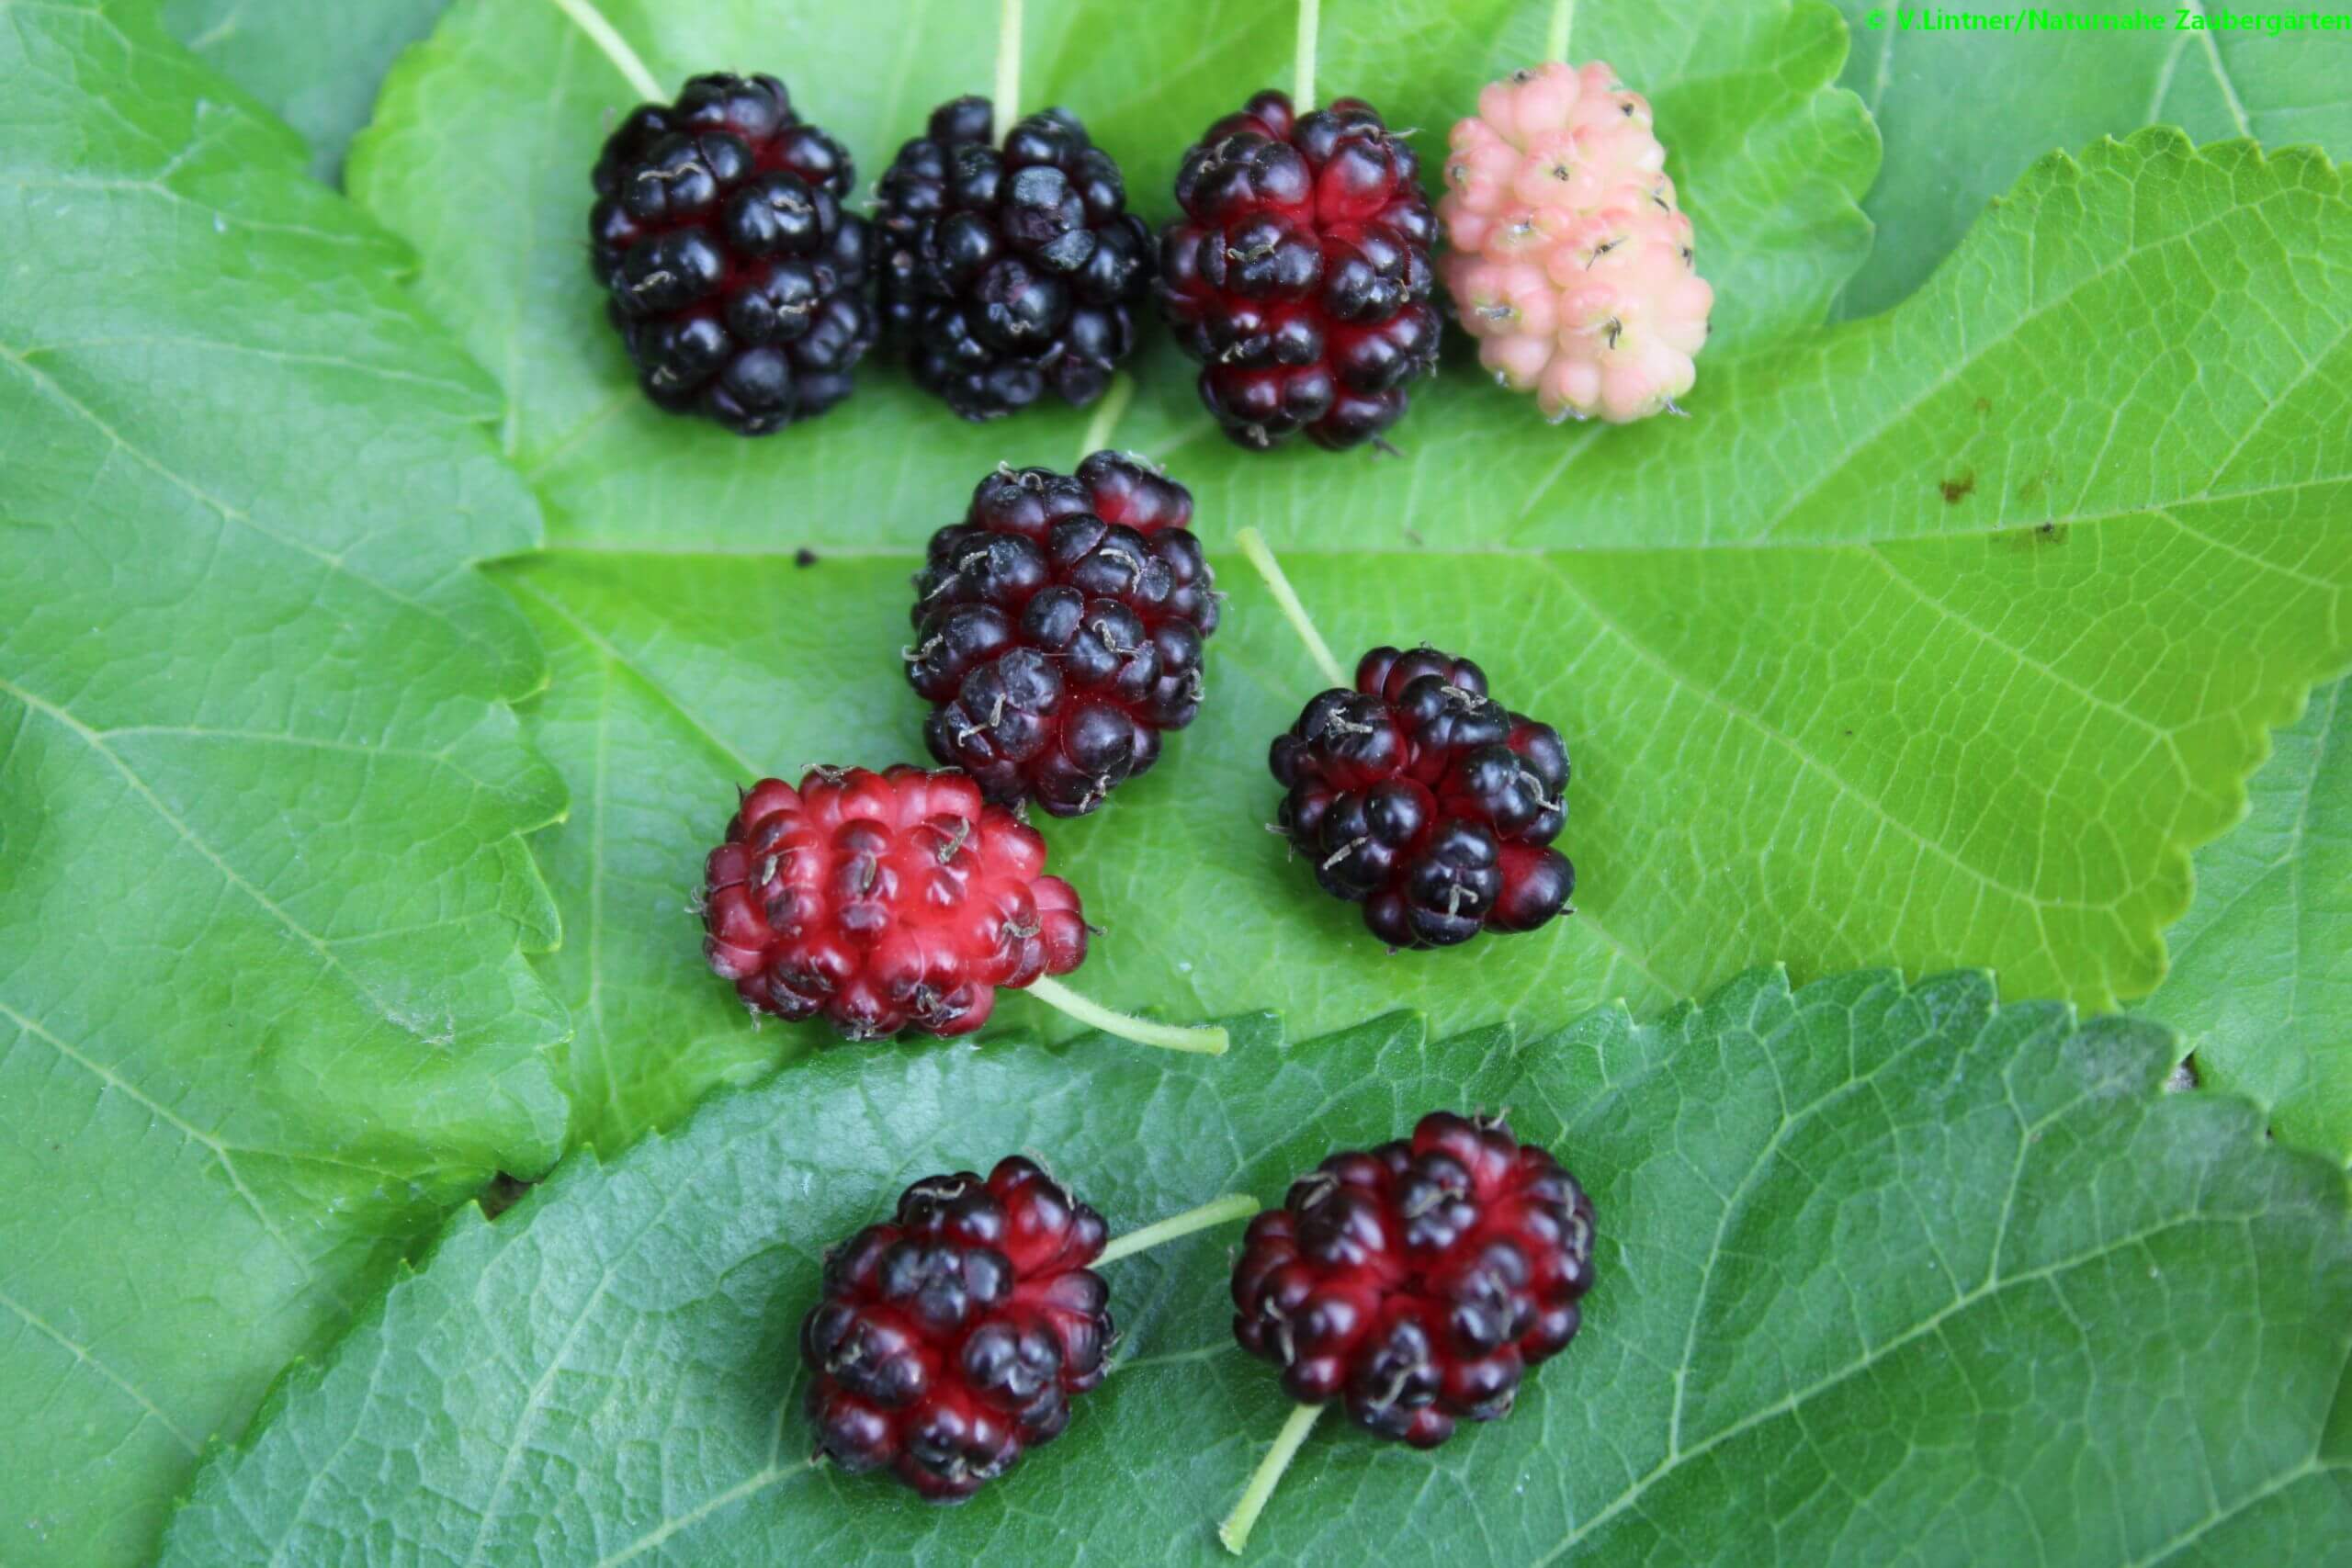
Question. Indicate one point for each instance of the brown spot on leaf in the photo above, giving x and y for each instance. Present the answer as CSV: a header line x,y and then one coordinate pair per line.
x,y
1984,405
1959,490
804,556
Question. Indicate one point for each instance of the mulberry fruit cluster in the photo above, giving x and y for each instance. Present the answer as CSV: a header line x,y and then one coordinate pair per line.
x,y
1419,1281
1422,798
952,1339
1299,276
884,901
1060,629
1010,273
736,280
1570,261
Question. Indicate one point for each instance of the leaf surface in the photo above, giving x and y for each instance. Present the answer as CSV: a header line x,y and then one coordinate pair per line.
x,y
264,1010
1963,112
1884,1274
1932,639
2261,984
320,79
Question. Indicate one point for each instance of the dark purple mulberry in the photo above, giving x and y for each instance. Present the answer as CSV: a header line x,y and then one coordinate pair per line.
x,y
1299,276
737,281
1417,1281
1431,804
1008,273
952,1339
1058,630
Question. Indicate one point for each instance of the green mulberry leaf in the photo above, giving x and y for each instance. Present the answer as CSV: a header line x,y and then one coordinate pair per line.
x,y
1932,639
1882,1273
1963,111
321,80
2261,984
265,1012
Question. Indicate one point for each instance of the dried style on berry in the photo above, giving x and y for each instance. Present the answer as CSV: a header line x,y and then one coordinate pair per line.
x,y
1419,1281
737,282
952,1339
1007,274
1570,261
1299,276
1428,802
884,902
1058,630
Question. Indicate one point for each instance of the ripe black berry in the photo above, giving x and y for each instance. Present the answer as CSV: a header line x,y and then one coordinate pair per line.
x,y
1058,630
737,282
1420,1279
1428,802
1299,276
953,1337
1008,272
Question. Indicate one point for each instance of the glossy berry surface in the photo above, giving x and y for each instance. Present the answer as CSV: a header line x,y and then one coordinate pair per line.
x,y
1419,1281
1299,276
1012,272
1058,630
1424,799
736,280
883,902
953,1337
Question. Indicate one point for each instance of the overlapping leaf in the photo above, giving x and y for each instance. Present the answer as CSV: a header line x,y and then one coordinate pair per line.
x,y
263,1014
2261,985
1964,112
1884,1274
1940,637
321,79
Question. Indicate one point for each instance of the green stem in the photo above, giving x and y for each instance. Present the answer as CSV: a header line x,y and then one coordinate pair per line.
x,y
600,33
1563,18
1107,414
1008,63
1309,13
1215,1211
1235,1531
1206,1040
1253,546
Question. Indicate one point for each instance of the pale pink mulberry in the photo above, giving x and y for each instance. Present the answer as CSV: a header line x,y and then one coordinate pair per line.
x,y
1570,261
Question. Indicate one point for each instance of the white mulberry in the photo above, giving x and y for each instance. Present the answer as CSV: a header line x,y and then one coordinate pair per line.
x,y
1571,263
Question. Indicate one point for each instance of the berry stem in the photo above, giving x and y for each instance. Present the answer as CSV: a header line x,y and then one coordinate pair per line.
x,y
588,19
1310,16
1206,1040
1215,1211
1253,546
1235,1531
1008,63
1107,414
1564,19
